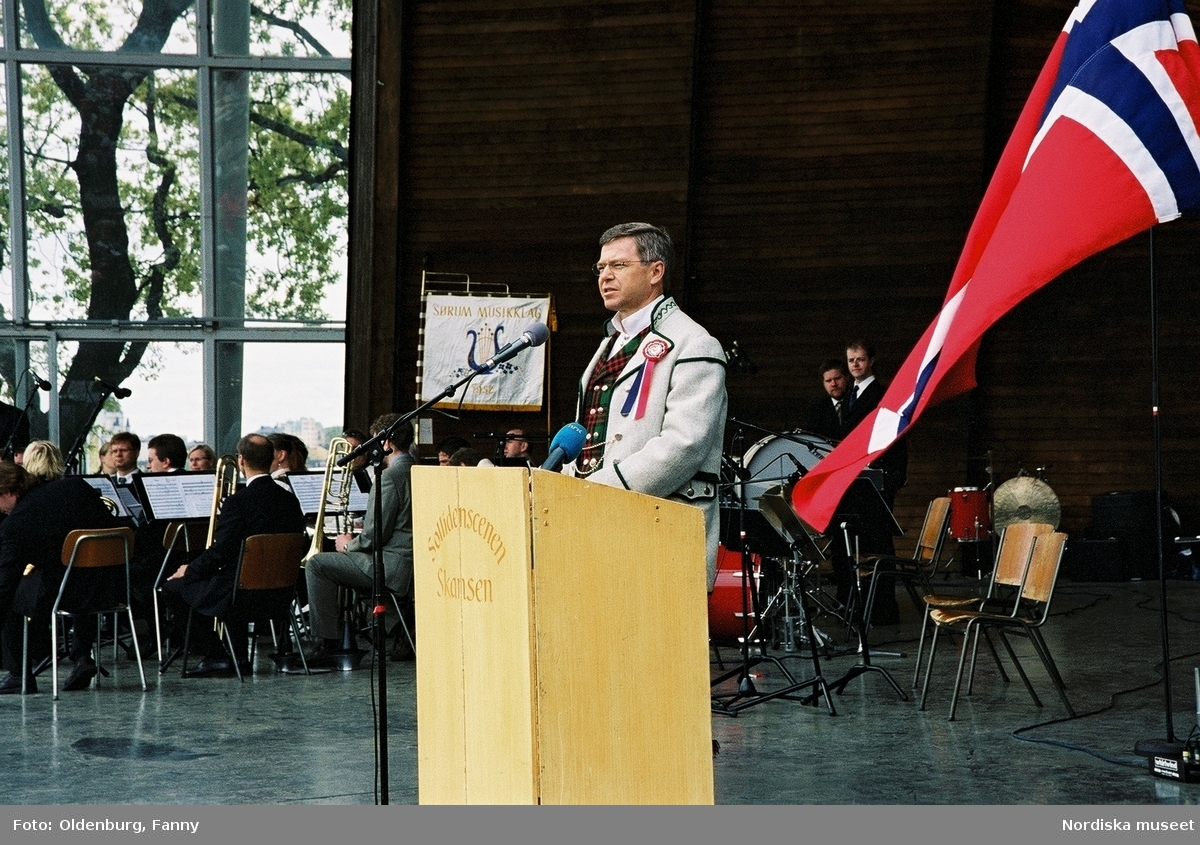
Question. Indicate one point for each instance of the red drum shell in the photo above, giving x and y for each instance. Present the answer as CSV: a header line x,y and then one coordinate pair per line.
x,y
970,516
725,601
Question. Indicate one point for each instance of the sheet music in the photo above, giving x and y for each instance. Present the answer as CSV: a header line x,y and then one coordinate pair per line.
x,y
178,495
307,487
127,501
109,490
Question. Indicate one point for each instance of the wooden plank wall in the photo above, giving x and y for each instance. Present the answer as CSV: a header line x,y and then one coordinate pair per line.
x,y
819,170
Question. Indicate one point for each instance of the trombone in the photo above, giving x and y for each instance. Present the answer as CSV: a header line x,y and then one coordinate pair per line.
x,y
226,484
336,503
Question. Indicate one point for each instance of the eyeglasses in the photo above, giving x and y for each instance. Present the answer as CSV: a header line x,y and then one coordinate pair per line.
x,y
615,266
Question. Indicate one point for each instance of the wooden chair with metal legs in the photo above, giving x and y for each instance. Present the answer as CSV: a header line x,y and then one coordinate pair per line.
x,y
179,539
268,568
1004,586
914,571
1030,613
93,549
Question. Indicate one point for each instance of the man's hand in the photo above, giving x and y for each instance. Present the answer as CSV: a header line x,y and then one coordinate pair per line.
x,y
178,573
341,541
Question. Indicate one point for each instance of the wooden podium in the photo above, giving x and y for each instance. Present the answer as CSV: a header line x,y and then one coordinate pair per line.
x,y
563,647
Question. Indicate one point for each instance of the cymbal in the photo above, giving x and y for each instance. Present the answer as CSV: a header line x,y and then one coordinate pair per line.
x,y
1024,499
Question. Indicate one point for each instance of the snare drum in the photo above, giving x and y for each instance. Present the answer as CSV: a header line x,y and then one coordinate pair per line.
x,y
725,601
970,517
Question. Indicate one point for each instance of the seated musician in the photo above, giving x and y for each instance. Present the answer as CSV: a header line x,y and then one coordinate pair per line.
x,y
40,516
207,582
513,450
43,460
827,416
362,475
164,453
123,451
290,456
202,458
352,564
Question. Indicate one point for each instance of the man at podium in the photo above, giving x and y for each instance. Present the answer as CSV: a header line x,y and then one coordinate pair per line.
x,y
653,396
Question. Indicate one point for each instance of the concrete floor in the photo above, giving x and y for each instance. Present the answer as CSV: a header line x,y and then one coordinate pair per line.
x,y
290,739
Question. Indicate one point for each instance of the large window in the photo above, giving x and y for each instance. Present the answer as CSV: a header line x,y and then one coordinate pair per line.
x,y
176,182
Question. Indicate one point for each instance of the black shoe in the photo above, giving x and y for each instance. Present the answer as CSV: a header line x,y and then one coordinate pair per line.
x,y
11,685
81,676
320,658
211,667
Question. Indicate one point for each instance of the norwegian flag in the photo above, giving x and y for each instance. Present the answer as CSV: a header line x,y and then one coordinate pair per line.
x,y
1105,147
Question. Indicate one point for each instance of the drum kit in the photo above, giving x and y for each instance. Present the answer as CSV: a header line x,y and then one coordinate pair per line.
x,y
769,562
762,596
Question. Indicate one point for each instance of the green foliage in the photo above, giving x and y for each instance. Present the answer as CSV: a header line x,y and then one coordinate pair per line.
x,y
298,171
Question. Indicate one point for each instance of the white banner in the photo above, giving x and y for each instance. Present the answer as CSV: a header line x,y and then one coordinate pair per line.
x,y
461,332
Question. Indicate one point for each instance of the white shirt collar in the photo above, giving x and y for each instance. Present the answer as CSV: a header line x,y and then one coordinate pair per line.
x,y
862,384
636,321
633,324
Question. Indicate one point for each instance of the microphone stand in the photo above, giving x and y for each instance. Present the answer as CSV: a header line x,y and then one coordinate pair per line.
x,y
374,449
75,454
12,436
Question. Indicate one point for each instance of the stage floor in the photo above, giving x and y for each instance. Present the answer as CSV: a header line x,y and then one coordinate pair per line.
x,y
289,739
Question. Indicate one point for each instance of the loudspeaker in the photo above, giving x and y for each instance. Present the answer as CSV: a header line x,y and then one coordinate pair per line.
x,y
1095,560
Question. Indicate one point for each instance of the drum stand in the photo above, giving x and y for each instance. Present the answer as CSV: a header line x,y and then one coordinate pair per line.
x,y
747,695
787,614
858,615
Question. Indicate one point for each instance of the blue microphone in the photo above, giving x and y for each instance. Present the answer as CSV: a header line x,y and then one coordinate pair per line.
x,y
565,446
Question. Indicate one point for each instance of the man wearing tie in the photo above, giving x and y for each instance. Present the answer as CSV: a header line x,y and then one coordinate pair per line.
x,y
123,450
827,417
872,526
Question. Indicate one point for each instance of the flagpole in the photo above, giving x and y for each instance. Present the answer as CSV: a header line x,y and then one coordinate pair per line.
x,y
1170,745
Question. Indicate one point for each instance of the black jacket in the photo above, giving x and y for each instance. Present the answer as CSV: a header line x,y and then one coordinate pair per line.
x,y
261,507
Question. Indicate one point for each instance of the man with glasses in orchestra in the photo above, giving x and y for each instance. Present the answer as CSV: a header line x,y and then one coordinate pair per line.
x,y
123,451
516,448
653,396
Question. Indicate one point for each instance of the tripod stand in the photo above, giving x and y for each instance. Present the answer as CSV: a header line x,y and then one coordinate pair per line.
x,y
859,619
792,595
747,694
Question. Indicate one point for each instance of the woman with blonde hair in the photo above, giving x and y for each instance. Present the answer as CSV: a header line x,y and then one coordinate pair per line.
x,y
44,461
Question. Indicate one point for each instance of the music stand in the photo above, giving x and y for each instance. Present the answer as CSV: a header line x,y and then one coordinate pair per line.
x,y
747,694
863,506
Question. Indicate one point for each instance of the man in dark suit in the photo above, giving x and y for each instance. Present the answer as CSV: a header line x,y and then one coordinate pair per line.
x,y
827,416
872,526
123,450
207,582
865,395
40,516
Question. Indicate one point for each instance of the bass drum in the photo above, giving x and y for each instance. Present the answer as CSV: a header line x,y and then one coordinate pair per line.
x,y
725,601
780,460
